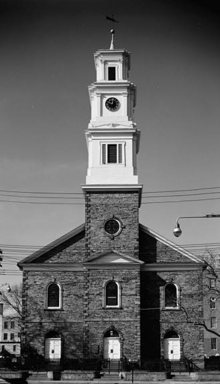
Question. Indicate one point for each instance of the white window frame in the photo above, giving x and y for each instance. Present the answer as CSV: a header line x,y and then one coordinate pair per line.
x,y
177,297
60,296
120,156
104,295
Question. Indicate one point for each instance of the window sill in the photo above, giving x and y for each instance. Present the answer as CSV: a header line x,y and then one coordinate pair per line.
x,y
53,309
112,308
171,309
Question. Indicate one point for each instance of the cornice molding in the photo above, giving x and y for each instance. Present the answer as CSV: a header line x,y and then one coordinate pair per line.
x,y
165,267
49,267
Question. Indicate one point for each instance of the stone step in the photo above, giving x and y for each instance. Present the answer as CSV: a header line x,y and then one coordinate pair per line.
x,y
38,376
184,376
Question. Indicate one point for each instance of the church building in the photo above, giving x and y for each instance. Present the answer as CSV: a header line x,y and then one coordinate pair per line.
x,y
112,289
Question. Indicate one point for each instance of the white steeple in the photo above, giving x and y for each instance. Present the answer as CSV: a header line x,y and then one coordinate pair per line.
x,y
112,136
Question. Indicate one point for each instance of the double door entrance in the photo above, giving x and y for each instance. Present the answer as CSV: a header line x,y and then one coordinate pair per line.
x,y
53,349
112,348
172,349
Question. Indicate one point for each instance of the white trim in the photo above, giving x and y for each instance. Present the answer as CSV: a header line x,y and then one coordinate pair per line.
x,y
60,296
118,295
171,267
53,267
104,161
171,245
177,306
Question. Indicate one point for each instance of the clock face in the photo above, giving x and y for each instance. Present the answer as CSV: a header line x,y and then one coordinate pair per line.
x,y
112,104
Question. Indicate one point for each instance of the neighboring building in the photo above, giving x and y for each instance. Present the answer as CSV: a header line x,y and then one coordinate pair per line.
x,y
9,333
211,292
112,288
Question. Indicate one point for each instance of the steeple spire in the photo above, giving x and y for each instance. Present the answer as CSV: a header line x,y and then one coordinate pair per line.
x,y
112,39
113,20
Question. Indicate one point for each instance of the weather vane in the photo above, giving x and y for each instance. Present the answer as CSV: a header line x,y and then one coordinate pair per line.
x,y
113,20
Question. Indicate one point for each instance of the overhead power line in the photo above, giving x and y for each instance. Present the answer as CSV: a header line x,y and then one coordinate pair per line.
x,y
75,198
42,192
183,190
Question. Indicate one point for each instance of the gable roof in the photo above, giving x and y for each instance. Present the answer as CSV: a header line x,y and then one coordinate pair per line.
x,y
170,244
115,256
79,231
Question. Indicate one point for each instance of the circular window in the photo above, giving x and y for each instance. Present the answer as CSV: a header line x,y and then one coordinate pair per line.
x,y
113,227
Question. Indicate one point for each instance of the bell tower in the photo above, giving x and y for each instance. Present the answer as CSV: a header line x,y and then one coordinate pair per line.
x,y
112,192
112,137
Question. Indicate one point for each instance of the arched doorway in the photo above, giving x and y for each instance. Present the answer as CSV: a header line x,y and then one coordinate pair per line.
x,y
172,346
112,345
53,346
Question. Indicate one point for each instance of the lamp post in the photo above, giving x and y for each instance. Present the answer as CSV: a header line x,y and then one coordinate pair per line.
x,y
178,231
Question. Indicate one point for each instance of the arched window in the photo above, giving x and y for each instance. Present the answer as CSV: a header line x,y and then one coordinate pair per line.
x,y
171,296
54,296
112,294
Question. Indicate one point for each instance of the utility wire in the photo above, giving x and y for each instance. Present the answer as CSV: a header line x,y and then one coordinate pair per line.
x,y
80,193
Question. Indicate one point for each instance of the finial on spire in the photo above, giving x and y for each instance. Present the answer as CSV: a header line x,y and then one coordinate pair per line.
x,y
113,20
112,39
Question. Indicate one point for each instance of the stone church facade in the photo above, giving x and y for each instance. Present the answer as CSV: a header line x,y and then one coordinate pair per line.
x,y
112,289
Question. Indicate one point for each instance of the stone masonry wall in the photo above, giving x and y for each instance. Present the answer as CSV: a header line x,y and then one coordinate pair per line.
x,y
153,251
126,319
38,320
156,320
101,207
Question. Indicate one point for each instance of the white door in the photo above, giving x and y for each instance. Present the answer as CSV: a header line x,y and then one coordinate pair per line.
x,y
172,349
112,348
53,349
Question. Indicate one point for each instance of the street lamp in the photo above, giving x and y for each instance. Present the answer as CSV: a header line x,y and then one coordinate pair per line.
x,y
178,231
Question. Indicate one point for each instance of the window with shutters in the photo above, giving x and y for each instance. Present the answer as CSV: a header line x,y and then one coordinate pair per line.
x,y
112,153
112,294
54,296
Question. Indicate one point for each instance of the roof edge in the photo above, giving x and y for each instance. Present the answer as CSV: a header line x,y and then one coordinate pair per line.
x,y
132,259
170,244
52,245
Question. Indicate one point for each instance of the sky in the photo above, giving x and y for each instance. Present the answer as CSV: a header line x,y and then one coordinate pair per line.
x,y
46,65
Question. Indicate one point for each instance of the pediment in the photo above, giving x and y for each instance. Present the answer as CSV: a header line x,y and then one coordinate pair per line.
x,y
156,249
113,257
68,248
